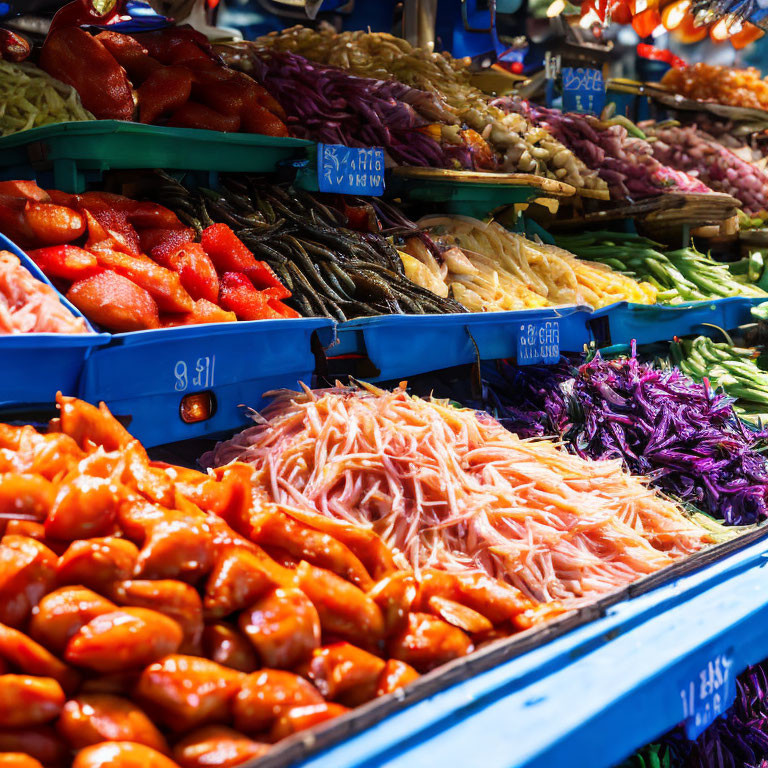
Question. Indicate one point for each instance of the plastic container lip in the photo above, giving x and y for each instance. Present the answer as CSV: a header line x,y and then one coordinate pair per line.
x,y
95,127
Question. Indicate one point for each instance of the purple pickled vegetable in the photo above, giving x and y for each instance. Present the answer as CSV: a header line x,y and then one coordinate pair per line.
x,y
660,423
330,105
686,438
686,148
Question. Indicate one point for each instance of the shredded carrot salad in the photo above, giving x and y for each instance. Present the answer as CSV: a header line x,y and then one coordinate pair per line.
x,y
450,488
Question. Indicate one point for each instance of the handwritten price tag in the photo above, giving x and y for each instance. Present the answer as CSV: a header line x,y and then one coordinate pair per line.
x,y
199,375
538,342
583,90
350,170
708,694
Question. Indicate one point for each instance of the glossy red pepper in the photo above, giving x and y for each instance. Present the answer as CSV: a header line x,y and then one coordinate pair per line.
x,y
73,56
130,54
164,91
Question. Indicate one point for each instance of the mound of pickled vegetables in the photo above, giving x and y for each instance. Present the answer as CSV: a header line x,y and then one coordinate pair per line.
x,y
168,76
155,615
136,265
452,489
487,268
30,306
496,135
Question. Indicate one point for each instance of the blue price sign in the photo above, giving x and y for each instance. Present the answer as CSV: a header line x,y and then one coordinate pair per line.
x,y
350,170
538,342
583,90
708,694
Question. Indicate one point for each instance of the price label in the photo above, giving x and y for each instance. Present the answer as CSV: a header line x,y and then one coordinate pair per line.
x,y
583,90
538,342
350,170
708,694
198,375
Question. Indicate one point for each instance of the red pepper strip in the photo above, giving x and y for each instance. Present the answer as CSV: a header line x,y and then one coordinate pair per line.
x,y
175,44
238,295
111,230
196,271
130,54
162,284
81,13
13,47
71,55
52,224
227,251
164,91
160,243
140,213
67,262
24,189
282,310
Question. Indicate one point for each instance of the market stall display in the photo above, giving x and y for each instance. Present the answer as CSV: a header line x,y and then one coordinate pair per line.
x,y
688,149
517,144
137,266
683,435
334,261
481,499
171,73
721,84
193,240
136,589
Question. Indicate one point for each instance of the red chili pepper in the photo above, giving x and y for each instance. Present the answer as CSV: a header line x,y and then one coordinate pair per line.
x,y
196,271
238,295
52,224
164,91
130,54
70,54
13,47
229,254
111,230
82,12
27,190
67,262
160,243
175,44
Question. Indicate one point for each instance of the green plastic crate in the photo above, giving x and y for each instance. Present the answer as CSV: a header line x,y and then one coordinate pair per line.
x,y
73,150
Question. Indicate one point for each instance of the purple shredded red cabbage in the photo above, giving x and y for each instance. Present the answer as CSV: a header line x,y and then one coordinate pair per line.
x,y
684,437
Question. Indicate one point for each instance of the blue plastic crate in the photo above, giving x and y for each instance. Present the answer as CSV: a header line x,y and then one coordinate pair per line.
x,y
37,365
620,323
144,375
406,345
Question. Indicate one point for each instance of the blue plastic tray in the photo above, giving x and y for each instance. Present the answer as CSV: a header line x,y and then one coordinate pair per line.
x,y
620,323
406,345
144,376
37,365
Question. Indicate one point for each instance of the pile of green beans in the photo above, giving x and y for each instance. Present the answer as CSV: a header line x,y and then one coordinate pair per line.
x,y
735,369
682,275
